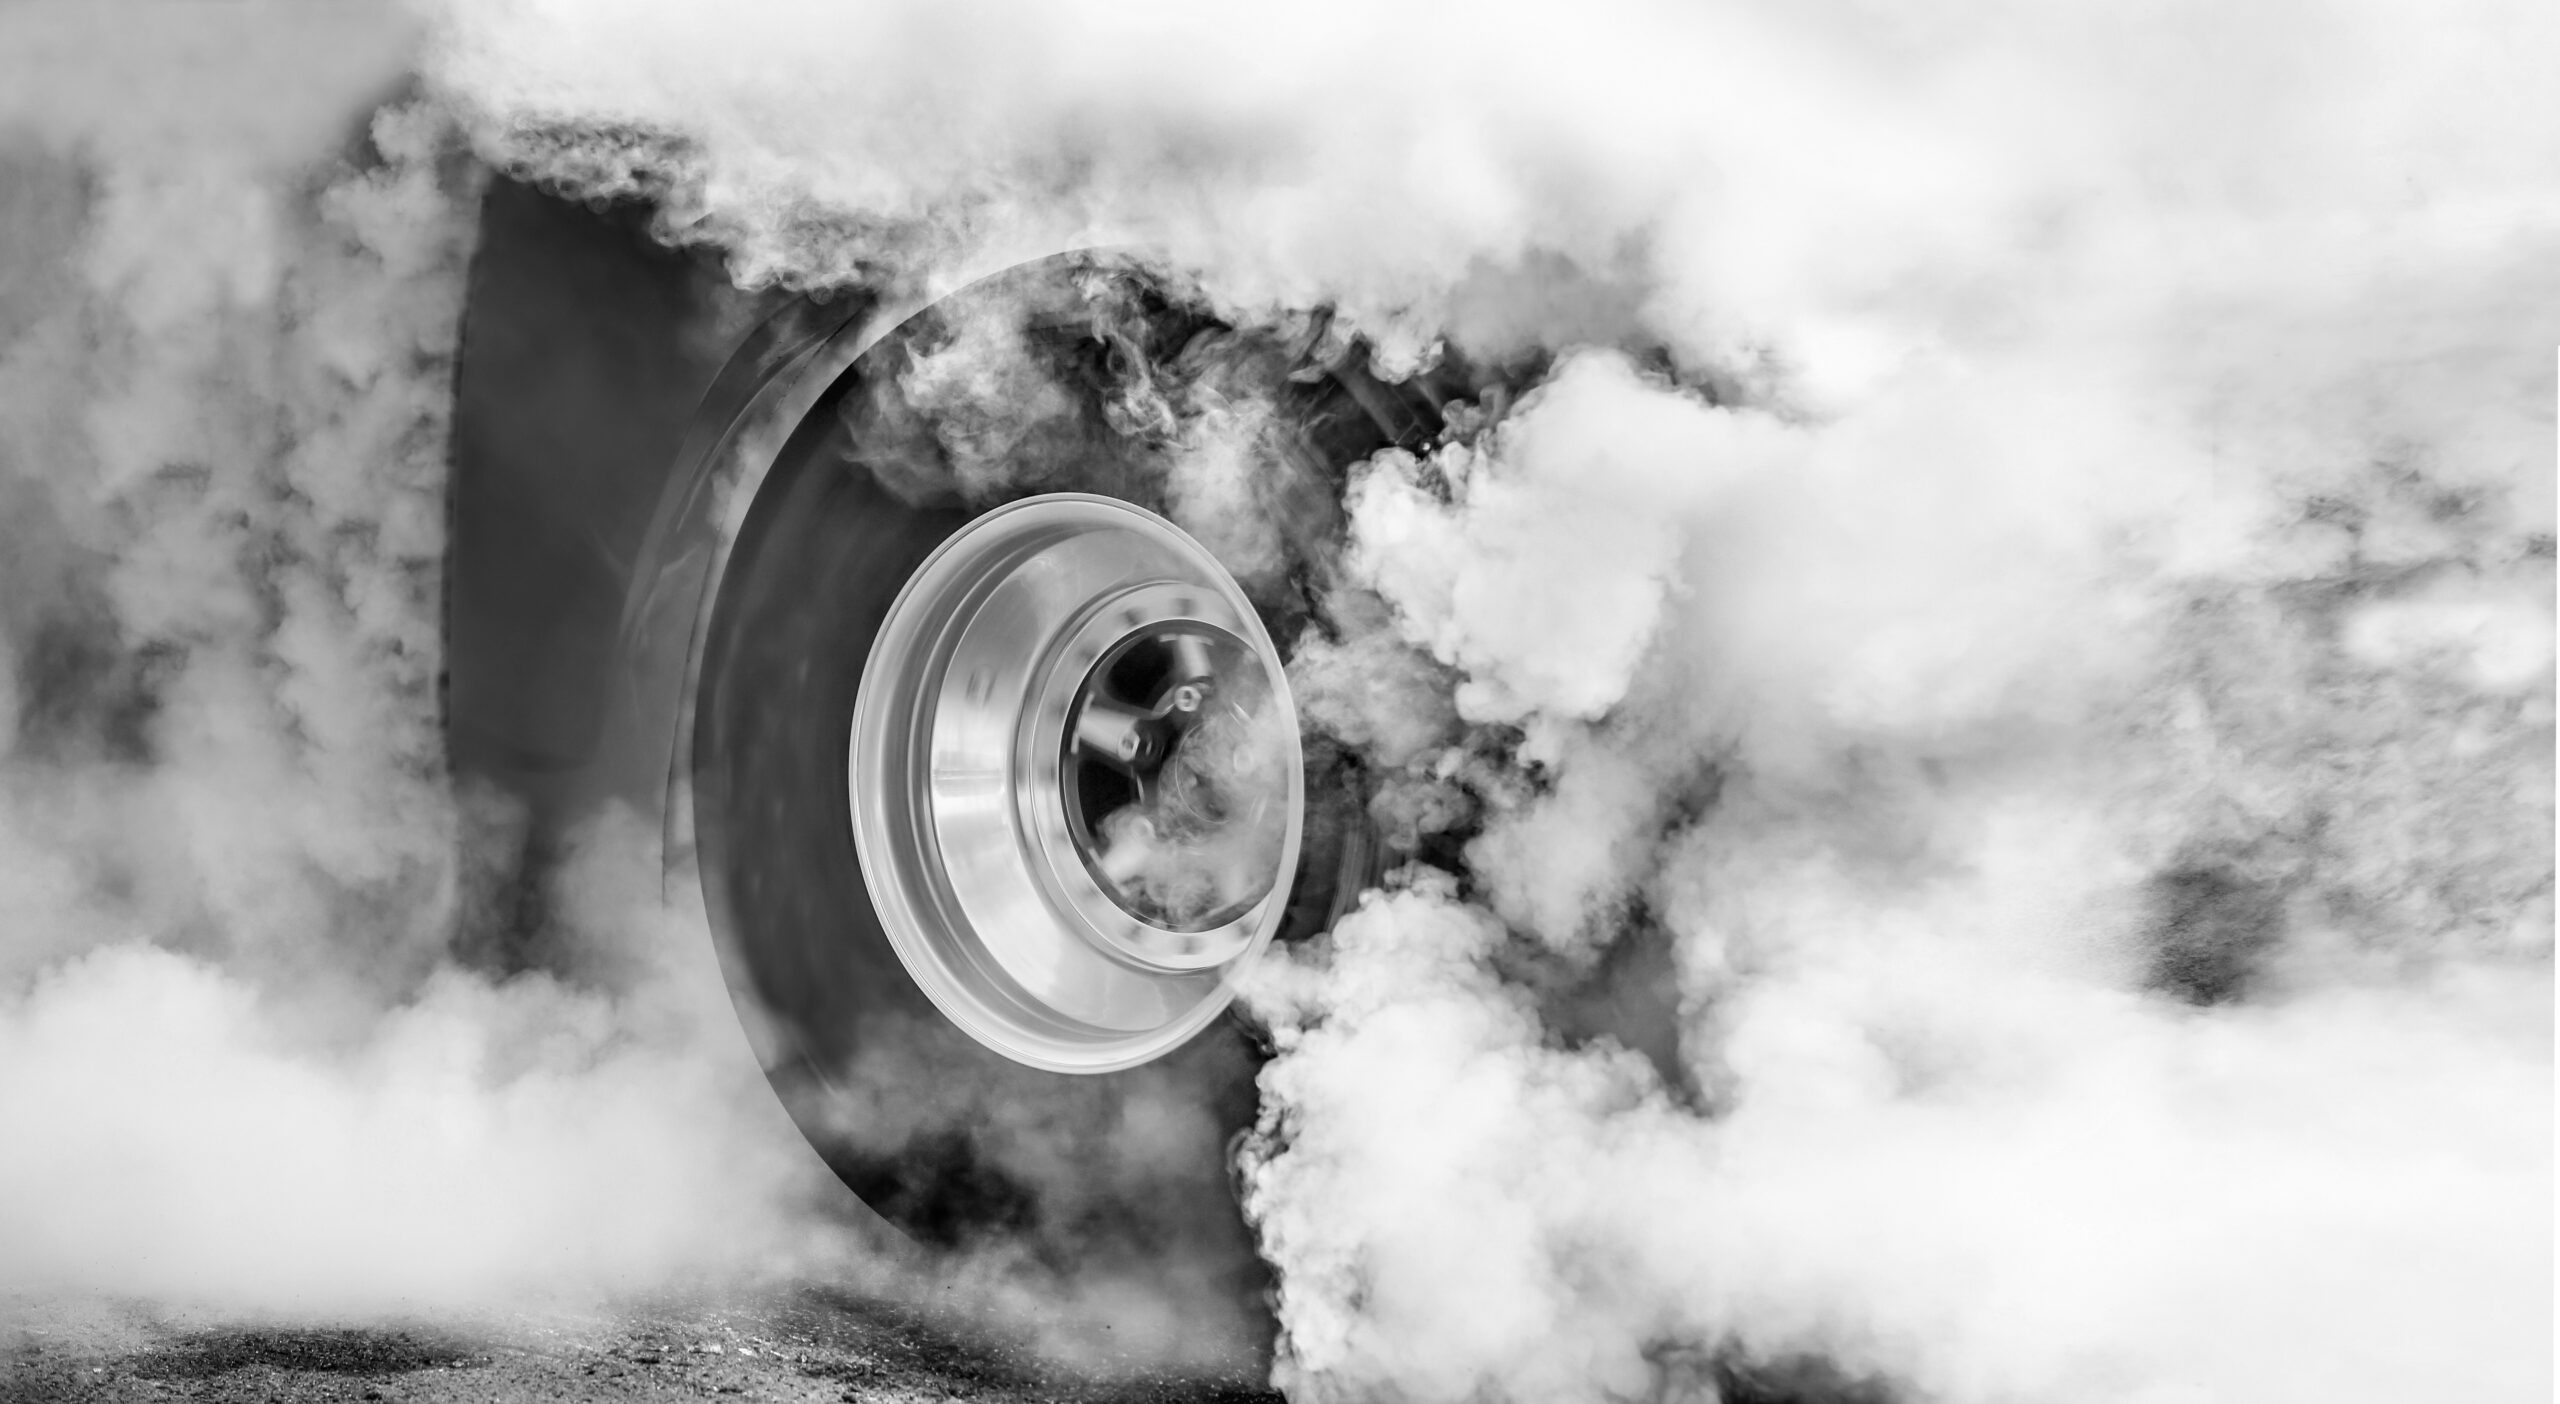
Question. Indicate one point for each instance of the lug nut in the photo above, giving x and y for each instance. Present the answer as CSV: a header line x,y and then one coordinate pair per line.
x,y
1109,728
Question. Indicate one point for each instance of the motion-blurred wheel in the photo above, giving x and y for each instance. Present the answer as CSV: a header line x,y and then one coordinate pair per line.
x,y
991,772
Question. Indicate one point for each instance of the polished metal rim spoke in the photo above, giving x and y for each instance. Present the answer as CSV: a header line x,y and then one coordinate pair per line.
x,y
1118,734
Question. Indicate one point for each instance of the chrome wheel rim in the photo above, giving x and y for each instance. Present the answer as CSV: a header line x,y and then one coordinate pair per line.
x,y
1075,782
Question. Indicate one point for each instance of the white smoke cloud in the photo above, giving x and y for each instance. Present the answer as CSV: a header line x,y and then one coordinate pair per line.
x,y
187,1137
2031,573
1845,180
2095,533
2115,961
2059,649
1546,583
1973,1180
240,1060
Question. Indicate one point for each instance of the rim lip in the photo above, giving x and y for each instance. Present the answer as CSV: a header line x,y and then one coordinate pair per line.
x,y
899,831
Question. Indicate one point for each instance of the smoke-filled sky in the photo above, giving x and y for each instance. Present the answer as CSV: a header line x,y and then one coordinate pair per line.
x,y
2020,605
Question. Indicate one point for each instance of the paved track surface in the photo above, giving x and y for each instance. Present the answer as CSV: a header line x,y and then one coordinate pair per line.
x,y
808,1345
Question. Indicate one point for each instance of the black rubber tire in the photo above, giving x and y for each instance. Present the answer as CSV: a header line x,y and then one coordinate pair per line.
x,y
601,377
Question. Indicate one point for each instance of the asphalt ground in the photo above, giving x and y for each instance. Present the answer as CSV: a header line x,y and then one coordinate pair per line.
x,y
806,1345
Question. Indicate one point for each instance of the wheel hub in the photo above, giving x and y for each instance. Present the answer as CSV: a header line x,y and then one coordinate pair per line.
x,y
1170,777
1075,782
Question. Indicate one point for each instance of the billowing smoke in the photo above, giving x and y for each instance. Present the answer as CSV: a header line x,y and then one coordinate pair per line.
x,y
1983,730
244,1058
1975,747
2098,969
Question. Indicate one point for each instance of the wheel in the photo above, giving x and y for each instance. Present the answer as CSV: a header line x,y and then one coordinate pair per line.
x,y
998,790
988,770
